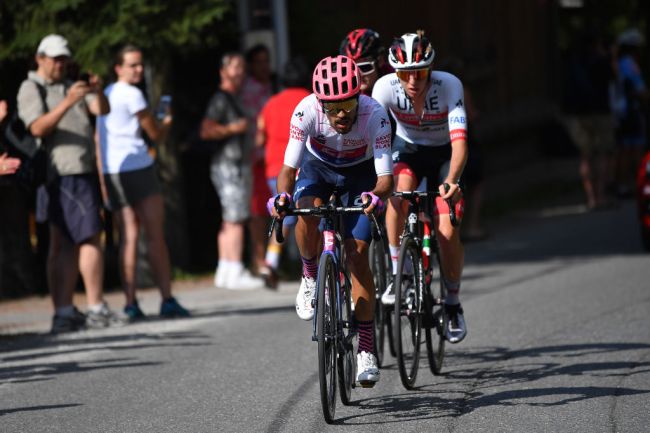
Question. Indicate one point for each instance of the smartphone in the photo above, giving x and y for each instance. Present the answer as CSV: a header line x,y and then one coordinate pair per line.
x,y
163,106
85,77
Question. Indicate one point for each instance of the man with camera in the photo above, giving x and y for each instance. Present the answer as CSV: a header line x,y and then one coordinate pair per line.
x,y
56,111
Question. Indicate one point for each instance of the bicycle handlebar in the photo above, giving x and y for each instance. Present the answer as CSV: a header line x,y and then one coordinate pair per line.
x,y
413,196
321,211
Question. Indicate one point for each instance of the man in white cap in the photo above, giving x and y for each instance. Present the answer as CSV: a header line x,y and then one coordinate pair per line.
x,y
56,111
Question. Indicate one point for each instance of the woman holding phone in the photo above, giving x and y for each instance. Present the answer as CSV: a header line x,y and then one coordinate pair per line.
x,y
132,190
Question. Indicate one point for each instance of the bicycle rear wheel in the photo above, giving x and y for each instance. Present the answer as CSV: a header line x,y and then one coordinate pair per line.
x,y
435,335
408,308
327,335
345,360
378,269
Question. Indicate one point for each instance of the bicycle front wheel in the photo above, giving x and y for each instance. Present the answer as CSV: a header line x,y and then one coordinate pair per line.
x,y
345,361
407,326
327,335
378,268
435,334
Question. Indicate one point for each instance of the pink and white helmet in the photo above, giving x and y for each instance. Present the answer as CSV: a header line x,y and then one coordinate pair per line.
x,y
336,78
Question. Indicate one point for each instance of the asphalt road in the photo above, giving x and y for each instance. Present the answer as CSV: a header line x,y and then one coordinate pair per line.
x,y
558,310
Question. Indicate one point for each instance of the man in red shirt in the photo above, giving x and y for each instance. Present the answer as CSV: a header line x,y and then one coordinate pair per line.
x,y
273,136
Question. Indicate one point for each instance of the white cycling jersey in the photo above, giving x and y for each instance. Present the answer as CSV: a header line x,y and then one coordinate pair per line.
x,y
368,138
443,119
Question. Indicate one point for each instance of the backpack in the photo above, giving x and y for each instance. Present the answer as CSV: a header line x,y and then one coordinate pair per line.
x,y
212,147
22,144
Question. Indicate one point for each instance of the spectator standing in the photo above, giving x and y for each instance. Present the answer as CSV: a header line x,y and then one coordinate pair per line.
x,y
131,182
272,137
590,121
631,102
226,124
8,165
256,90
63,125
16,275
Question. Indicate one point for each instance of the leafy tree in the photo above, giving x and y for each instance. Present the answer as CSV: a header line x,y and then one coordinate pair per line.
x,y
95,28
180,40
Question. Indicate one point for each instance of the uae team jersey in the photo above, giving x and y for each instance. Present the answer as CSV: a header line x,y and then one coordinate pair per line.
x,y
443,119
369,137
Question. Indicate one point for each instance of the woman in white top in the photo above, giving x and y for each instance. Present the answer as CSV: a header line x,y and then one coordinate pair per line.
x,y
130,178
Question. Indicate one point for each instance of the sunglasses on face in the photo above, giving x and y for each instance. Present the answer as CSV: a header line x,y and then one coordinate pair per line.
x,y
333,107
366,67
419,74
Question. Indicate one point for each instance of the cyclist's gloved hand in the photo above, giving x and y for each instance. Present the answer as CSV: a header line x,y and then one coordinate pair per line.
x,y
450,191
278,204
372,202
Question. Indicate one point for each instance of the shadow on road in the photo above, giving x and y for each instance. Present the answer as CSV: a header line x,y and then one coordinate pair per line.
x,y
485,368
31,363
37,408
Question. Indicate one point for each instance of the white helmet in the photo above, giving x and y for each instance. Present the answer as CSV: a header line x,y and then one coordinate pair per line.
x,y
411,51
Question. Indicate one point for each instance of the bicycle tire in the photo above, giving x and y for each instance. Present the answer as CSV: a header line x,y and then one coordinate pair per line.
x,y
327,335
408,312
345,359
436,349
378,268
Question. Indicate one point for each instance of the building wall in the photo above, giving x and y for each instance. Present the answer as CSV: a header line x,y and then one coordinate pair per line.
x,y
506,45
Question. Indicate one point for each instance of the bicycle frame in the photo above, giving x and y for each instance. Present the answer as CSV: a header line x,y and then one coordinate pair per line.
x,y
421,231
333,245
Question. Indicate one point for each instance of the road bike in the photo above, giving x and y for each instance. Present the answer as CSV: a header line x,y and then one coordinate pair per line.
x,y
419,291
333,326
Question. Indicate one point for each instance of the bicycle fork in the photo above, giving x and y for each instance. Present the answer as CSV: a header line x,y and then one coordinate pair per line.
x,y
332,246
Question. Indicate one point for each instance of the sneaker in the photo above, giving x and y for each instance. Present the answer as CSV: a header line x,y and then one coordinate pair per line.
x,y
456,329
243,281
306,298
270,277
171,308
367,370
133,312
221,276
62,324
388,297
104,318
79,318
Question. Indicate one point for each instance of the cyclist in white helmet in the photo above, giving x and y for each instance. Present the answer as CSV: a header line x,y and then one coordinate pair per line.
x,y
430,142
340,139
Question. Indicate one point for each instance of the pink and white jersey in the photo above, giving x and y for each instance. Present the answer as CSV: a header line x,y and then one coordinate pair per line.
x,y
368,138
443,119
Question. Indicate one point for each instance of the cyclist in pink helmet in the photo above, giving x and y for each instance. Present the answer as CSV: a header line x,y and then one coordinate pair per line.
x,y
347,138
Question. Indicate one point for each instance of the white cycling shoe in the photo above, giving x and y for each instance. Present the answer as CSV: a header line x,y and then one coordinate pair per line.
x,y
367,370
305,298
456,329
388,297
